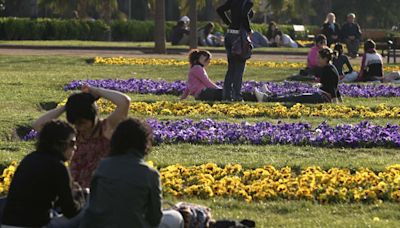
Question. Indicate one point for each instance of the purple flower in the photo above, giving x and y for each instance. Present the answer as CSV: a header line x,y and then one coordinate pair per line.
x,y
148,86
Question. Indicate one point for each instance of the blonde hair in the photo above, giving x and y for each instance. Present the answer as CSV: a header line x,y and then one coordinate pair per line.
x,y
351,15
327,17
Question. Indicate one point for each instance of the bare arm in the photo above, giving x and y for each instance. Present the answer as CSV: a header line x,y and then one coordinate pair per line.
x,y
48,116
121,100
185,94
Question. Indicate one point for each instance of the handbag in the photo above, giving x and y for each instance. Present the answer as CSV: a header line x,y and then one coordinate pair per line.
x,y
242,46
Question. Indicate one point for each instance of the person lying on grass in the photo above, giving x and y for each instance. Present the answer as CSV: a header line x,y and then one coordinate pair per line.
x,y
93,133
199,84
328,76
42,180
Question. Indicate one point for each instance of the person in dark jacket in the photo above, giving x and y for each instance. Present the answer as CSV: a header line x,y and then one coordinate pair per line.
x,y
42,180
339,61
351,35
180,34
328,76
125,190
239,18
331,29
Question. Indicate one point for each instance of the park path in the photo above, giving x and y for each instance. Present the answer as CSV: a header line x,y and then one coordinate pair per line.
x,y
132,53
140,54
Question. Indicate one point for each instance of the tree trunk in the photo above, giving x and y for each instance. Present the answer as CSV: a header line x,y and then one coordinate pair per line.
x,y
159,31
193,24
34,9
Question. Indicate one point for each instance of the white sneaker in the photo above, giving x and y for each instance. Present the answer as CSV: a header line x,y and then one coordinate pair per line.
x,y
259,95
265,89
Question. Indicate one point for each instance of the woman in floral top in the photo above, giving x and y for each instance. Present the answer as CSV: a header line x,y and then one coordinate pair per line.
x,y
94,134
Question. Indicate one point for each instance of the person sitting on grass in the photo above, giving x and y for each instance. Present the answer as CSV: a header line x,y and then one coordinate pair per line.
x,y
93,133
180,34
339,61
126,191
42,180
312,57
199,84
308,74
371,64
328,91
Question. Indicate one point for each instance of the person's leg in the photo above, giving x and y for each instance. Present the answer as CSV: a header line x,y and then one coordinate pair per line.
x,y
210,94
227,89
349,46
356,44
240,65
171,219
184,40
352,46
308,98
391,77
350,77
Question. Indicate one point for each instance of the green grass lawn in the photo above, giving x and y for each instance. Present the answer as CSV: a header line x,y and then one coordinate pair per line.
x,y
25,82
98,44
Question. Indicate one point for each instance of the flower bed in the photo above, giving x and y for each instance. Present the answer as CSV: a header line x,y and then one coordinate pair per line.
x,y
270,183
239,110
177,62
210,132
148,86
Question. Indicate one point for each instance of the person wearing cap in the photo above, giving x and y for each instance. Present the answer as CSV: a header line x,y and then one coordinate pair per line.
x,y
351,35
180,32
186,21
239,18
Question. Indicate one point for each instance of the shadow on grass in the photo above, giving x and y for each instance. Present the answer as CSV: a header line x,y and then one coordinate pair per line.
x,y
46,106
89,61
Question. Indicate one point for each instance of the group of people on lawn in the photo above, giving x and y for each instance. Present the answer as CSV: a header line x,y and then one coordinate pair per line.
x,y
107,154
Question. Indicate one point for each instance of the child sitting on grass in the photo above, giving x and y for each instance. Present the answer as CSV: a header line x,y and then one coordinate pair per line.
x,y
340,61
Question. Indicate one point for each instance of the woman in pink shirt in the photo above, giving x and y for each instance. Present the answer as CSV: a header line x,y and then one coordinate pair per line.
x,y
308,74
312,58
199,84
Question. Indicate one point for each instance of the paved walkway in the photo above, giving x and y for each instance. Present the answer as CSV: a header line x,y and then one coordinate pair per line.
x,y
137,53
134,53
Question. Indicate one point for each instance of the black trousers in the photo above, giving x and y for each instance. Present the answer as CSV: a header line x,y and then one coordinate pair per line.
x,y
211,94
305,98
234,75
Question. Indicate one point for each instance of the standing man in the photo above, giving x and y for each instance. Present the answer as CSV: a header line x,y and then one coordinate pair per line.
x,y
351,34
239,18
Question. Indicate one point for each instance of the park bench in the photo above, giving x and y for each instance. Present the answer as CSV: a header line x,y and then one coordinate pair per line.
x,y
299,31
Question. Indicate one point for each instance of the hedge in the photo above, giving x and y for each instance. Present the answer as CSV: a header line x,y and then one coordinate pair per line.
x,y
60,29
